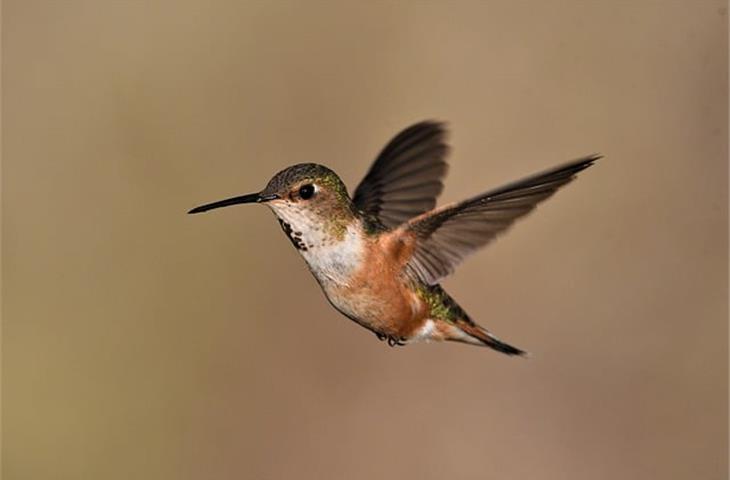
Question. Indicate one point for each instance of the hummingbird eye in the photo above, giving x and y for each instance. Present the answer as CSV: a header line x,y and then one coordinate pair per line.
x,y
306,191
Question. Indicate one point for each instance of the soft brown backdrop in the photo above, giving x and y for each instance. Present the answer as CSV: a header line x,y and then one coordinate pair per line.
x,y
140,342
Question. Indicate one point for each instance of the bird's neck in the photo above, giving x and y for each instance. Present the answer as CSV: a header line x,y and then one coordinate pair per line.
x,y
333,261
332,245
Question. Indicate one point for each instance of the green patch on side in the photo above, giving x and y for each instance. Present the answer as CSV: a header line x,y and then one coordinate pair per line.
x,y
333,183
340,215
440,304
337,227
371,225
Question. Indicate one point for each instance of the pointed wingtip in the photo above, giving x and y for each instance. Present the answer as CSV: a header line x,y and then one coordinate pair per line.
x,y
584,162
571,168
591,159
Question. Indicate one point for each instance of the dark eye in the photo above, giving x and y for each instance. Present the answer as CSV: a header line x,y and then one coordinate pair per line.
x,y
306,191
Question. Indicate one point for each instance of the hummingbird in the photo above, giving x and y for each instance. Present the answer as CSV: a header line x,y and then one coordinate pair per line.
x,y
379,255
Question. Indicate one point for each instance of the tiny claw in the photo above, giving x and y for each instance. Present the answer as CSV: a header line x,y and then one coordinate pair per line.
x,y
393,341
381,336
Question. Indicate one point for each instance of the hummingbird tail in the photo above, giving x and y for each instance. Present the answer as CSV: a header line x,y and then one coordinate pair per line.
x,y
485,338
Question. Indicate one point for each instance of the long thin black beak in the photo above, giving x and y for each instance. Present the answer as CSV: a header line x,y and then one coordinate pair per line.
x,y
250,198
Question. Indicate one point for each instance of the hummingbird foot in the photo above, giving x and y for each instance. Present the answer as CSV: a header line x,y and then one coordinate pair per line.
x,y
396,342
392,341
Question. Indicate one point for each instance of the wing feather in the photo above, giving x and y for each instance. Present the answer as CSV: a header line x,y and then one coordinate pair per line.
x,y
405,179
447,235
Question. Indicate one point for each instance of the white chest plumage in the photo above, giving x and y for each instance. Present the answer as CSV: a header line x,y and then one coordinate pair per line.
x,y
331,258
333,262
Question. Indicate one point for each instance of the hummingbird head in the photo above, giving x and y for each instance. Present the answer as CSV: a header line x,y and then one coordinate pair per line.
x,y
309,196
309,200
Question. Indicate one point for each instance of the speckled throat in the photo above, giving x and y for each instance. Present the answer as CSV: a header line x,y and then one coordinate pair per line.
x,y
332,246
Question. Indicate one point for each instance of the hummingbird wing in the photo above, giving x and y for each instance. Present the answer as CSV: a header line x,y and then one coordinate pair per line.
x,y
445,236
405,178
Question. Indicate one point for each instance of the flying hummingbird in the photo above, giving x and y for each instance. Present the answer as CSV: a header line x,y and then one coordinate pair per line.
x,y
379,256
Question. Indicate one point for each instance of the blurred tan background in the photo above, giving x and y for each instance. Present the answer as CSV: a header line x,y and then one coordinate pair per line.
x,y
139,342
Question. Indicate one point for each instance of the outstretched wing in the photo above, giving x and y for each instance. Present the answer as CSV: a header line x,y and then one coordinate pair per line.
x,y
405,179
448,234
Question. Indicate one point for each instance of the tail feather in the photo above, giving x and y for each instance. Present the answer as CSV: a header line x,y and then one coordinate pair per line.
x,y
485,338
458,327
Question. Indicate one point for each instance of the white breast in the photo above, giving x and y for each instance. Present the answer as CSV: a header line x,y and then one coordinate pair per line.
x,y
334,262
